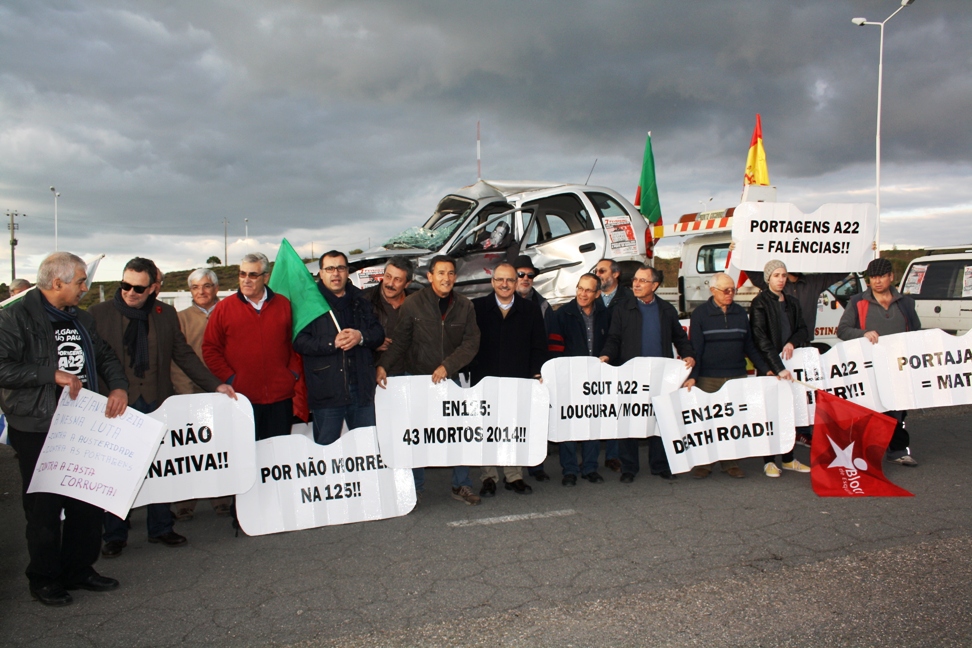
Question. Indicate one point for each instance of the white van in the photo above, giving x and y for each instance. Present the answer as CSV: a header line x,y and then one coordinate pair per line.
x,y
941,285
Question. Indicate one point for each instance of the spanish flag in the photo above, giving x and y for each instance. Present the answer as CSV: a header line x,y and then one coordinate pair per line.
x,y
756,171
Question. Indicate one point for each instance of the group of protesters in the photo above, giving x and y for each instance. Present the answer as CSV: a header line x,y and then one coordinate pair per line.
x,y
137,350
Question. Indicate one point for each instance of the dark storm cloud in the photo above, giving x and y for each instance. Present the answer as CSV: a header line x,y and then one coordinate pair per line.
x,y
165,118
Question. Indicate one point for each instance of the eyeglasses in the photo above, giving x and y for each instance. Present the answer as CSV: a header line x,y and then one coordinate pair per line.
x,y
251,275
125,286
503,280
523,275
333,269
205,286
586,291
639,280
725,291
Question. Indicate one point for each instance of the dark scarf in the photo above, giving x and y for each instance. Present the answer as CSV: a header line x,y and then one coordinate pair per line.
x,y
136,335
71,315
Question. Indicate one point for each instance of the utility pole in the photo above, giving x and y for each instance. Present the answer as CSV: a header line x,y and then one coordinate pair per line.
x,y
225,243
13,242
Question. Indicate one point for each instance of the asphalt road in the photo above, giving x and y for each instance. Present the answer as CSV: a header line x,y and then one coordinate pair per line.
x,y
717,562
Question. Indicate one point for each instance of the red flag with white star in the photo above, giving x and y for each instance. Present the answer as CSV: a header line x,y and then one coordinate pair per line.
x,y
849,442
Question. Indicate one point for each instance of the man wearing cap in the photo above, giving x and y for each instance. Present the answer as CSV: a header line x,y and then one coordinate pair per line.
x,y
882,310
526,272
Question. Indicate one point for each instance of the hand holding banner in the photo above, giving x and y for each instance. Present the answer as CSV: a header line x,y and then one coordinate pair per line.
x,y
302,485
98,460
748,417
208,449
591,400
499,422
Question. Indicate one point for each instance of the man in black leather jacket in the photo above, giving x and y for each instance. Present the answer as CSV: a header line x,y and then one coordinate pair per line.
x,y
46,345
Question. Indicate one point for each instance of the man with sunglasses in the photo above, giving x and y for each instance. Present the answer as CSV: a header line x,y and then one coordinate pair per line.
x,y
645,326
145,335
339,364
247,343
722,340
526,272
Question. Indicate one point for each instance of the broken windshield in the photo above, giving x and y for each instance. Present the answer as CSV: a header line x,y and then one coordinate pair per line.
x,y
450,213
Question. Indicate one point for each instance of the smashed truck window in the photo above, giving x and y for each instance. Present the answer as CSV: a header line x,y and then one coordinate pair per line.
x,y
419,237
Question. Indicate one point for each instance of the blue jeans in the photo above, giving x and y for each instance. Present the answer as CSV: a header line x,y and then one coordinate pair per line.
x,y
612,449
159,518
568,456
328,421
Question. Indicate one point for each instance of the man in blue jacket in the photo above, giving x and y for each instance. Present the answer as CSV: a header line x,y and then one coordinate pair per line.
x,y
646,326
337,347
579,329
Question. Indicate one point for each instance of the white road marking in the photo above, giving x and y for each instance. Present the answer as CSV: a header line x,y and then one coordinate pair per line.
x,y
512,518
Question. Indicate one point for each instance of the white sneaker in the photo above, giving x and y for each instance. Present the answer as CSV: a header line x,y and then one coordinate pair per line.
x,y
770,470
795,466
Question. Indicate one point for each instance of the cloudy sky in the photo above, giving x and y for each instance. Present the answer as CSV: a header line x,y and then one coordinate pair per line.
x,y
339,124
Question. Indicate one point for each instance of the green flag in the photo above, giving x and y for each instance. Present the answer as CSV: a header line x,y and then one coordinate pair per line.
x,y
291,279
646,199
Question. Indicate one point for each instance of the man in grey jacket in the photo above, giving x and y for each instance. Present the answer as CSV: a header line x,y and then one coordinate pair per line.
x,y
47,345
882,310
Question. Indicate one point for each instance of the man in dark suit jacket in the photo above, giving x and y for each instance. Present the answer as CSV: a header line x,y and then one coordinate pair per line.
x,y
145,335
646,326
512,344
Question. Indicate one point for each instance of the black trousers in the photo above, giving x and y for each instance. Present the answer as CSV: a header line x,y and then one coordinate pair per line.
x,y
631,463
273,419
59,553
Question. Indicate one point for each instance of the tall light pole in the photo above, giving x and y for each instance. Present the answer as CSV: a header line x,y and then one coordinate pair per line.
x,y
860,22
56,196
13,243
246,234
225,242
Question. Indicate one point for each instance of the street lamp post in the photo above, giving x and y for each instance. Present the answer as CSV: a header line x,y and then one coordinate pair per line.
x,y
246,234
860,22
56,196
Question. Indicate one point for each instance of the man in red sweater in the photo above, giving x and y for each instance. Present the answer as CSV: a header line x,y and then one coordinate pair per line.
x,y
248,345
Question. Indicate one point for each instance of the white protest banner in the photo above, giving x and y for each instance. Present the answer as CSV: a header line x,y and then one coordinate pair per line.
x,y
499,422
590,399
98,460
805,366
924,369
848,373
835,238
302,485
748,417
208,449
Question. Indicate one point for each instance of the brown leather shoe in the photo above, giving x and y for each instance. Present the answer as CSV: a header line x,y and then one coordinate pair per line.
x,y
614,465
735,472
701,472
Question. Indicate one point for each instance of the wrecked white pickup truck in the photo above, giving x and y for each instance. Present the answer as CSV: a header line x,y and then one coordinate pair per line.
x,y
564,229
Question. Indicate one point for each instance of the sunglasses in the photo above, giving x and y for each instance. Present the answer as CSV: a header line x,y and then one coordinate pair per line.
x,y
726,291
125,286
523,275
251,275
